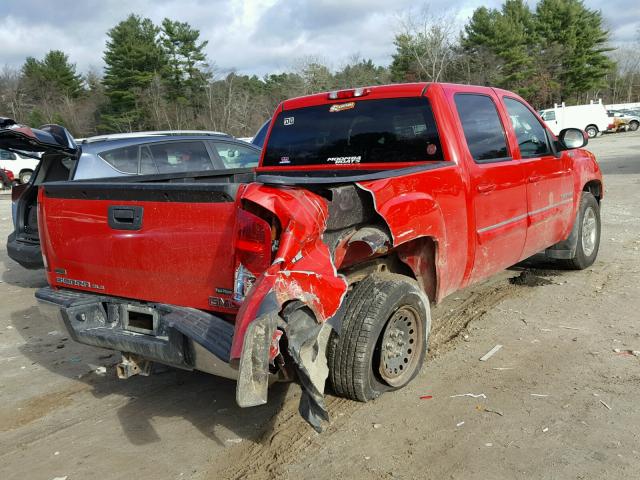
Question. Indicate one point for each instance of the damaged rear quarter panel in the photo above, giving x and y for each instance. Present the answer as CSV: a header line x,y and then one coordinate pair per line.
x,y
302,270
412,207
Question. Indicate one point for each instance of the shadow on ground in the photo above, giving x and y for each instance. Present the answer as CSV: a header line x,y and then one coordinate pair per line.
x,y
206,401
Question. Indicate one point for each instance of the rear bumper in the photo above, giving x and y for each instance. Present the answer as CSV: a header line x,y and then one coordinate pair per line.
x,y
181,337
28,255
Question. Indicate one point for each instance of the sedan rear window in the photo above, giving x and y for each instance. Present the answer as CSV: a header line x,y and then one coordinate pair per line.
x,y
356,132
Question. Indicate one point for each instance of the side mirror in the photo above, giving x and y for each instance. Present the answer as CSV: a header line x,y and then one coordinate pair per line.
x,y
571,138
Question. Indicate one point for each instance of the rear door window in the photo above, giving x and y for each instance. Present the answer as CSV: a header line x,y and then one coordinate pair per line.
x,y
482,127
122,159
237,156
355,132
181,157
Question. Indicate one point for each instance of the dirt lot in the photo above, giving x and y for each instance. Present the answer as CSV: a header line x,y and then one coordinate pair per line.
x,y
556,402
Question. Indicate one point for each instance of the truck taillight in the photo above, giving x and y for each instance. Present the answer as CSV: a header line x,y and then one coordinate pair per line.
x,y
252,249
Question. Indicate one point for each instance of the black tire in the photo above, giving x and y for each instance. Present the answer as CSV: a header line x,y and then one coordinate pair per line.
x,y
374,308
592,131
586,250
633,125
25,176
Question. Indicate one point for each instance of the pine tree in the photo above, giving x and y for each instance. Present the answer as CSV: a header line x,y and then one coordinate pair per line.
x,y
133,58
508,36
579,40
185,72
52,77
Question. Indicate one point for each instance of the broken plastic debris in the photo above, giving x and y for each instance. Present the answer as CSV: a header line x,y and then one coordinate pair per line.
x,y
569,328
459,424
497,412
538,394
472,395
377,425
490,353
488,444
605,404
545,429
101,370
426,397
635,353
60,478
502,368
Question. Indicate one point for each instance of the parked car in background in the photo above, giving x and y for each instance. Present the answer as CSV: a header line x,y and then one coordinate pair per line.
x,y
187,154
19,164
630,120
6,178
590,118
261,134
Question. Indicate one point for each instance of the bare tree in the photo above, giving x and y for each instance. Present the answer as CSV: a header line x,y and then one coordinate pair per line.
x,y
428,41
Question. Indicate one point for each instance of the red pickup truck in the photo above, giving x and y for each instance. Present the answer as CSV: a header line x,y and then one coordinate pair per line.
x,y
368,205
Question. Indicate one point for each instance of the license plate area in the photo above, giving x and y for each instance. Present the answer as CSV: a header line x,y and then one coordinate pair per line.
x,y
140,319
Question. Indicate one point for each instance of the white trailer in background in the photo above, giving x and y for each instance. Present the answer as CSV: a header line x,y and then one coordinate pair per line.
x,y
591,118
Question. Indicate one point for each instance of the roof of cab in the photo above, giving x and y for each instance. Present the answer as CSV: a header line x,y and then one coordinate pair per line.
x,y
378,91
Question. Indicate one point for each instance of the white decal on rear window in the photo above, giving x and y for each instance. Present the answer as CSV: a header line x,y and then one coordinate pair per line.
x,y
344,160
288,120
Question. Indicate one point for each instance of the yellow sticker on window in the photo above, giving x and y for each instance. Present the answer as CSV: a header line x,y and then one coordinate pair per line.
x,y
338,107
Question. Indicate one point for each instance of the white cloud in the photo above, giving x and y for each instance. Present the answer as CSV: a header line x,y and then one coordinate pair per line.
x,y
251,36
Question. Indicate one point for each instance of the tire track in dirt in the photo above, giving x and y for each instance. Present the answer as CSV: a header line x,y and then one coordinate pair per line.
x,y
288,435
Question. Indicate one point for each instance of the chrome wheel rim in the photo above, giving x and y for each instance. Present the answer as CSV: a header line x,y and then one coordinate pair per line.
x,y
401,346
589,232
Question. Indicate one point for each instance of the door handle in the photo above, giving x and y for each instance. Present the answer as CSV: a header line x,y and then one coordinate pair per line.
x,y
125,217
486,187
535,178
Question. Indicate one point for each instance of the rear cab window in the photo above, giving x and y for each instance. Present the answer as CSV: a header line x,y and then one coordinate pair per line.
x,y
483,129
361,132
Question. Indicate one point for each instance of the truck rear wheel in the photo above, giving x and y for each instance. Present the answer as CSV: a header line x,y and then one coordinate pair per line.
x,y
382,343
592,131
588,224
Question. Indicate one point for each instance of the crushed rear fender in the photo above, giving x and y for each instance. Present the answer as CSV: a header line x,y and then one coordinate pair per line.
x,y
302,272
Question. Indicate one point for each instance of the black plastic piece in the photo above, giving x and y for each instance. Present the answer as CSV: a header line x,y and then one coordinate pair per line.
x,y
125,217
319,177
213,333
165,192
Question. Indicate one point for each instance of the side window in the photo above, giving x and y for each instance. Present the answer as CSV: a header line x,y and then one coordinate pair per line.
x,y
531,135
181,157
6,155
122,159
482,127
237,156
147,165
549,115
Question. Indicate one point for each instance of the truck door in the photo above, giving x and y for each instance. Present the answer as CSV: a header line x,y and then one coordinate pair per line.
x,y
498,192
548,178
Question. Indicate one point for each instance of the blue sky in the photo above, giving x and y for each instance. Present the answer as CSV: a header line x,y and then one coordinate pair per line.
x,y
250,36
